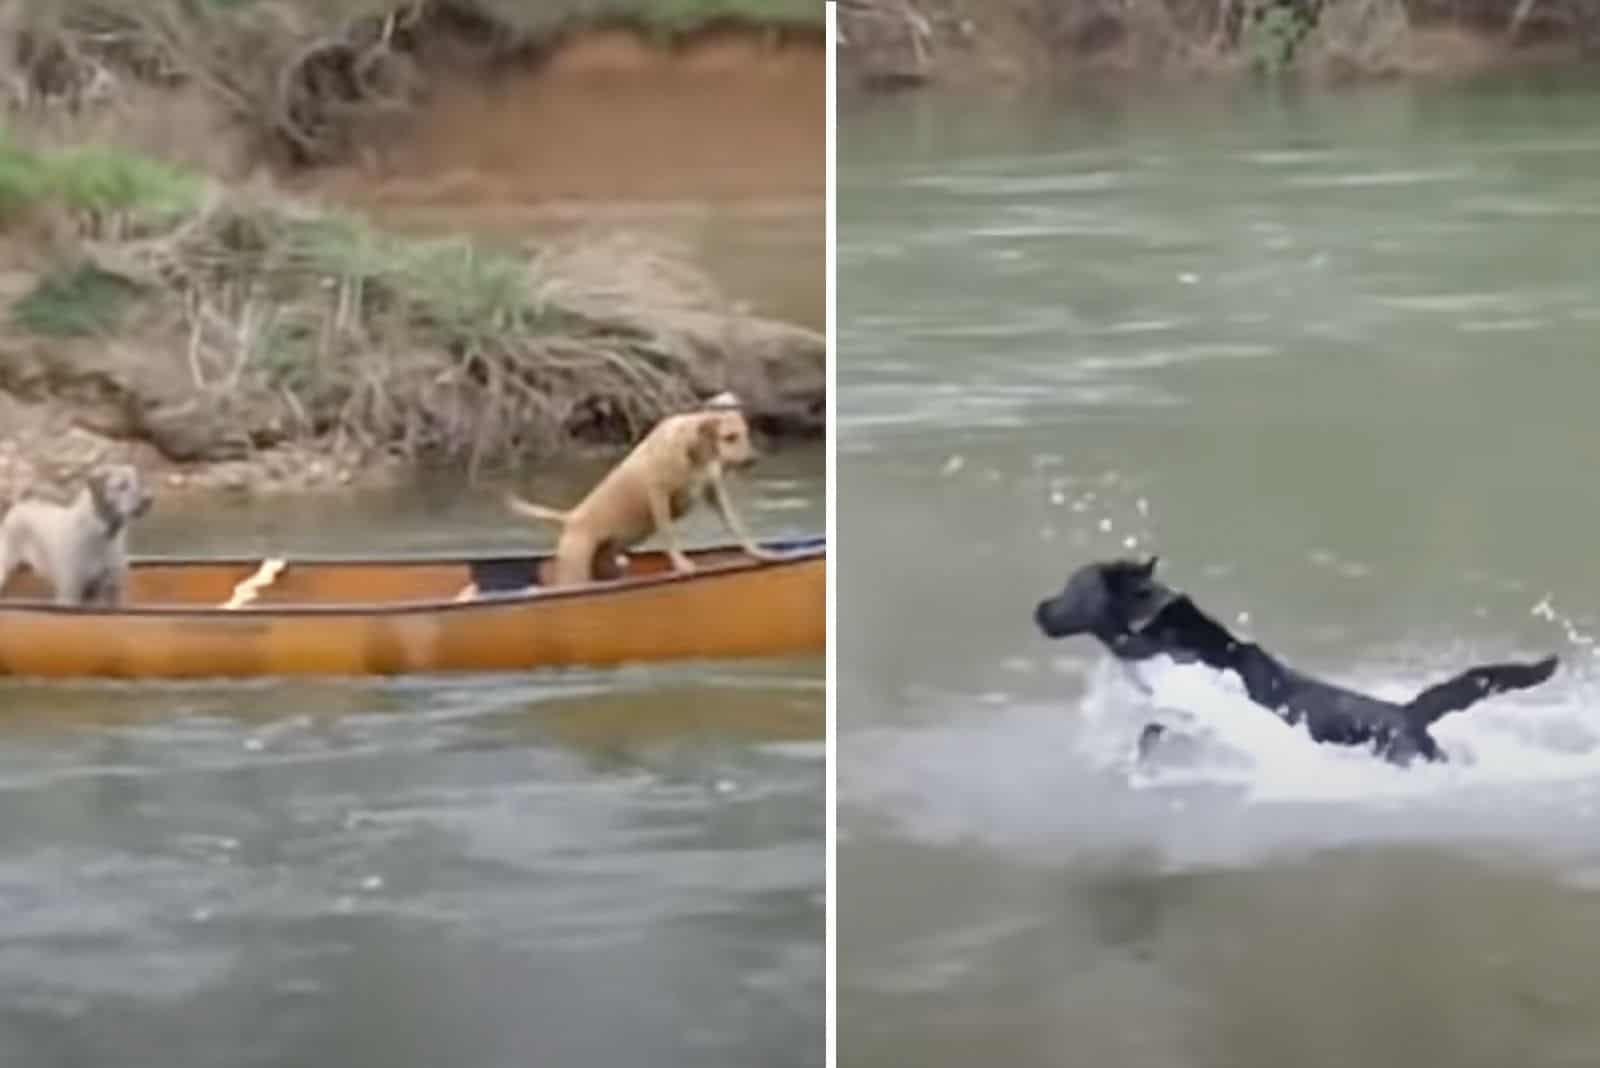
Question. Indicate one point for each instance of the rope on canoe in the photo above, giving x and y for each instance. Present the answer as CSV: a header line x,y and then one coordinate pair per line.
x,y
247,589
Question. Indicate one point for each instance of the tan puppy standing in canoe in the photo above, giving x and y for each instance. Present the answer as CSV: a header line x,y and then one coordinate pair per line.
x,y
681,460
80,549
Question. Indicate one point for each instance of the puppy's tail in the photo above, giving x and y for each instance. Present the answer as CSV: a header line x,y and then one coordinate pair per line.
x,y
535,511
1473,685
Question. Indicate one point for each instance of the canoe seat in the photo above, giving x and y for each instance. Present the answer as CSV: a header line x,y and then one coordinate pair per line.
x,y
506,574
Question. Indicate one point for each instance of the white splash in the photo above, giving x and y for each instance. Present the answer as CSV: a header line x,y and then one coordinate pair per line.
x,y
1043,768
1544,736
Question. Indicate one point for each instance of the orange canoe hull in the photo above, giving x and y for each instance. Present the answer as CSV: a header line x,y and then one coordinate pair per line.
x,y
394,616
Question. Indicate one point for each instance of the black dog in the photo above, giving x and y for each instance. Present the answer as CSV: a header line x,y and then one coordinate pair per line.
x,y
1136,618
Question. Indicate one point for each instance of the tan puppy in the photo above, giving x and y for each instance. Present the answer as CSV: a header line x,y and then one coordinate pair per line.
x,y
681,460
80,549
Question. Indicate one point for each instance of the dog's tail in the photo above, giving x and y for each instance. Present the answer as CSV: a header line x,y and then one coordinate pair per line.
x,y
1472,686
535,511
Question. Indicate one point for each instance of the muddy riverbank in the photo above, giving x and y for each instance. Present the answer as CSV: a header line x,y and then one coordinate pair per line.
x,y
1029,44
553,239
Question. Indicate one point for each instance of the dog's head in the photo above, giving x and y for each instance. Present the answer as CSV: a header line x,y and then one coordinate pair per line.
x,y
1104,599
723,434
119,495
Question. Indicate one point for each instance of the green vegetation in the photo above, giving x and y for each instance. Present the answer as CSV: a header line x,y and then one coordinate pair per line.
x,y
109,186
1272,31
74,301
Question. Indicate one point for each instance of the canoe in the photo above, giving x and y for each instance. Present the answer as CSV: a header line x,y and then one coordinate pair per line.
x,y
417,614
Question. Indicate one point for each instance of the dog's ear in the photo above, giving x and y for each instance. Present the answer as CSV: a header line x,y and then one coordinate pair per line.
x,y
703,447
95,482
1127,576
100,495
1148,568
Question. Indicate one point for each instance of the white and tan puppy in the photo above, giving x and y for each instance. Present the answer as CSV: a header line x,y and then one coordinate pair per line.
x,y
80,549
681,461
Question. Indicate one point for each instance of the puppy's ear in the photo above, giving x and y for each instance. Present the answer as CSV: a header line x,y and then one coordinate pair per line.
x,y
703,448
1148,568
96,485
100,497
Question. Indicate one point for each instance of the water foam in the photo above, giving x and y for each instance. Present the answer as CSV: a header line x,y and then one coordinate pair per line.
x,y
1547,736
1054,780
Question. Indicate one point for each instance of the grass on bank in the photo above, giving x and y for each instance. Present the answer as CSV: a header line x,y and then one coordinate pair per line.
x,y
98,181
310,324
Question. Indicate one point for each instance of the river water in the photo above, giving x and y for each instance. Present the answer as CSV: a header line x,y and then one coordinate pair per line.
x,y
567,867
1332,357
560,868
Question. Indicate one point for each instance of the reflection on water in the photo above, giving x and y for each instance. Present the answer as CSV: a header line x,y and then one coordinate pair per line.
x,y
1326,355
568,867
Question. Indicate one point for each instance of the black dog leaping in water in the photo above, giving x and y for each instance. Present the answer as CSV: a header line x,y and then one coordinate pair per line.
x,y
1136,618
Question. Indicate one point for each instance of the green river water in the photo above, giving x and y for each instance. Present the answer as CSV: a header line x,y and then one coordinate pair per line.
x,y
1334,357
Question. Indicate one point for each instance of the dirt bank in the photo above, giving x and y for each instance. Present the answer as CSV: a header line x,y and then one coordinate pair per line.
x,y
608,117
229,322
717,147
896,44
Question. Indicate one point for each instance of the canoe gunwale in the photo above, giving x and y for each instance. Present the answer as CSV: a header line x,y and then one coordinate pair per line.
x,y
801,552
797,548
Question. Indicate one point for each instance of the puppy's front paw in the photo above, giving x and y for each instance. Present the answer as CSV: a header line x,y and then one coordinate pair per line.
x,y
681,562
